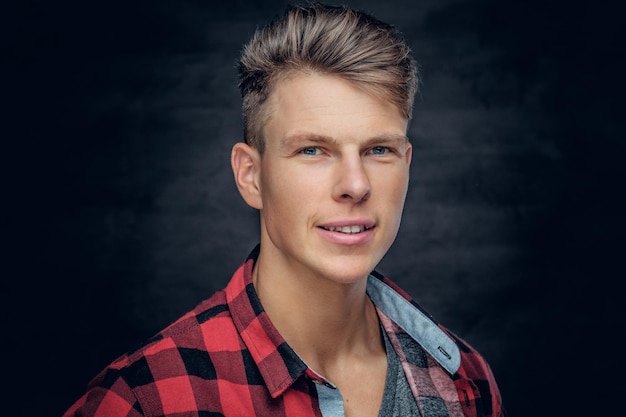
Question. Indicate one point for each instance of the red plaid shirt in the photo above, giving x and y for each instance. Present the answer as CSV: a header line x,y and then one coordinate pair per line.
x,y
225,358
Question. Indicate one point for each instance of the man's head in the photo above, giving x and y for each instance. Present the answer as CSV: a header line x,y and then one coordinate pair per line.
x,y
327,96
331,40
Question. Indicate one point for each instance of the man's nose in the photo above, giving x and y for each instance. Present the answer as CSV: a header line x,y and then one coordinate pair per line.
x,y
353,184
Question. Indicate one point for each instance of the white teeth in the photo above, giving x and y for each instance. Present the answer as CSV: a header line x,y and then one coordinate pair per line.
x,y
347,229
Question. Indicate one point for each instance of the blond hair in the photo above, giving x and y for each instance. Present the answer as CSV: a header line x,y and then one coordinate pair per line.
x,y
334,40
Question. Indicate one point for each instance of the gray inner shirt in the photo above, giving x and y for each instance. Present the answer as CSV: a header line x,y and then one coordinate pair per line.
x,y
398,400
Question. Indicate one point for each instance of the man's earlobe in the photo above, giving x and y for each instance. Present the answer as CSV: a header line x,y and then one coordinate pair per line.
x,y
246,164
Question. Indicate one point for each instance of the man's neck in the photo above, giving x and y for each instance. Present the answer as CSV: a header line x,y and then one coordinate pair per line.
x,y
328,324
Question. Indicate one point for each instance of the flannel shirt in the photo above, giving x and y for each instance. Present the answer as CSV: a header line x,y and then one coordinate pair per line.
x,y
226,358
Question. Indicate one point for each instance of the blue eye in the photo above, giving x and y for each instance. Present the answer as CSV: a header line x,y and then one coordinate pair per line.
x,y
311,151
380,150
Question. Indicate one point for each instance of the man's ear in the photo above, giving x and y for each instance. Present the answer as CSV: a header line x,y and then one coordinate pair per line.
x,y
409,153
246,164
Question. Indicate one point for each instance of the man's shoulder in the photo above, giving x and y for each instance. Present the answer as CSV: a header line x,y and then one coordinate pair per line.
x,y
202,345
206,329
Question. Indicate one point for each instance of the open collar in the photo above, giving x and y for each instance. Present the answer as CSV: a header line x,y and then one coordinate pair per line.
x,y
280,366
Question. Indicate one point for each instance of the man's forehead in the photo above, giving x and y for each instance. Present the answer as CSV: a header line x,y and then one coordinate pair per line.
x,y
315,120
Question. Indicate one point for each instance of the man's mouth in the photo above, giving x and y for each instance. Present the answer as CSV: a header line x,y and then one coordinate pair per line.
x,y
347,229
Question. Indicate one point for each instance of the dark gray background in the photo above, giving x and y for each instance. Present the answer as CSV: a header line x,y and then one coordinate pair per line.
x,y
120,213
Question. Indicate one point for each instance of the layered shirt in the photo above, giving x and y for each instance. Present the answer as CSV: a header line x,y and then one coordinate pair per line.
x,y
226,358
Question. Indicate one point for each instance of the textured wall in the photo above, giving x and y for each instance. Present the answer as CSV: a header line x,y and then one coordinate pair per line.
x,y
120,210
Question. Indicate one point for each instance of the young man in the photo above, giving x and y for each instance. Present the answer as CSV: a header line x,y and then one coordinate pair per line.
x,y
305,328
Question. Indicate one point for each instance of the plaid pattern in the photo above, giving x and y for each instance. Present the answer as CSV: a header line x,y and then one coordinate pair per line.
x,y
471,392
225,358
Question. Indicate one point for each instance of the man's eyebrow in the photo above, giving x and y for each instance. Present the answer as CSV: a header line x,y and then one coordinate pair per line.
x,y
394,139
292,140
295,139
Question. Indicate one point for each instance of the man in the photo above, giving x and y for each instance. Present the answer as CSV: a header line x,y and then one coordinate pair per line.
x,y
305,328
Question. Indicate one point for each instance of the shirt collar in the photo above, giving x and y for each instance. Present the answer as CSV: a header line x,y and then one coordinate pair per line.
x,y
418,324
278,363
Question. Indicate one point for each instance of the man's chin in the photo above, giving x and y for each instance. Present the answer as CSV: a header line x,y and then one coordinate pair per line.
x,y
348,272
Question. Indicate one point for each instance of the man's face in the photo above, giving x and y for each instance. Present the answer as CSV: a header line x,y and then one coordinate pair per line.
x,y
333,178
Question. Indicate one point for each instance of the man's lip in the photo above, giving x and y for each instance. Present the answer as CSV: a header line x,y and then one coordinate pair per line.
x,y
361,223
352,232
